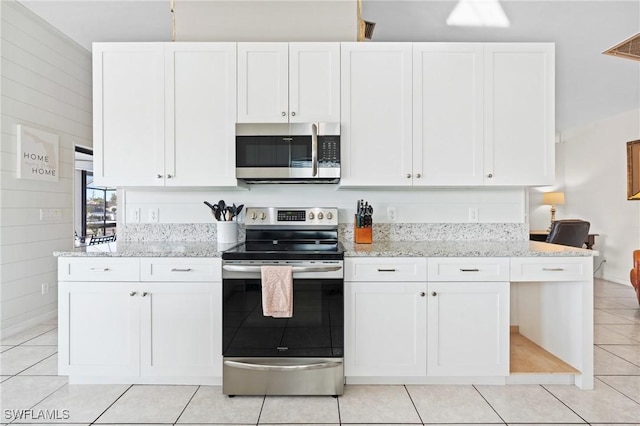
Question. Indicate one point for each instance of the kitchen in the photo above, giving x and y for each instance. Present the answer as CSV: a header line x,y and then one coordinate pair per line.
x,y
439,206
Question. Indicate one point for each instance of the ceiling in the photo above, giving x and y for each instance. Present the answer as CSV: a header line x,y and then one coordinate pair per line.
x,y
589,86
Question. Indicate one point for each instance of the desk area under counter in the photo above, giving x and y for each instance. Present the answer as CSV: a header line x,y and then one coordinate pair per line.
x,y
530,303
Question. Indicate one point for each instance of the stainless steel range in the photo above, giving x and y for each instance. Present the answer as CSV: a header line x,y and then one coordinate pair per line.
x,y
302,354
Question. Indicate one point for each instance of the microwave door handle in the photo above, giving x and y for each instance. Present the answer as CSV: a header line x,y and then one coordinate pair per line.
x,y
314,149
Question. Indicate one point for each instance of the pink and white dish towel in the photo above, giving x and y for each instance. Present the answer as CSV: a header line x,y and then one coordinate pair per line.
x,y
277,291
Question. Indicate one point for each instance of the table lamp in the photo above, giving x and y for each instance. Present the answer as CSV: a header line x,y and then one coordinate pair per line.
x,y
551,199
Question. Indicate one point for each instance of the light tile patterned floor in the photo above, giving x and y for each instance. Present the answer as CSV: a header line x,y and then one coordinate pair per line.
x,y
29,381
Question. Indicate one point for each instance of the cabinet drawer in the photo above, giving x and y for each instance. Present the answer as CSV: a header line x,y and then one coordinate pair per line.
x,y
468,269
551,269
386,269
180,269
98,269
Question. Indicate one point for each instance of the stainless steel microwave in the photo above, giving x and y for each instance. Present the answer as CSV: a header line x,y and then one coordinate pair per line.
x,y
288,153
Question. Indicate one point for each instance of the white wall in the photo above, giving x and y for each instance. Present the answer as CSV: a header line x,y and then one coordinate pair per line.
x,y
309,20
592,171
46,84
413,206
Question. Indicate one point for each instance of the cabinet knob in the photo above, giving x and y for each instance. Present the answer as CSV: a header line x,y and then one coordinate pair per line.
x,y
418,175
284,114
408,175
434,294
293,113
423,294
169,176
144,294
490,175
159,176
133,293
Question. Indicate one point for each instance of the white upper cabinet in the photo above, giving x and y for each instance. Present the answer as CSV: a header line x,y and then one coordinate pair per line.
x,y
200,114
448,81
376,102
519,113
288,82
164,114
128,113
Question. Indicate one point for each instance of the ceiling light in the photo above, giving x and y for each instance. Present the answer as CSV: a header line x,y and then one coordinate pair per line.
x,y
630,48
478,13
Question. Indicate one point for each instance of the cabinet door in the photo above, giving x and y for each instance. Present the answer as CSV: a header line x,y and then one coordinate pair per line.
x,y
447,113
375,110
263,83
314,82
201,114
468,329
519,114
181,329
385,329
128,114
99,329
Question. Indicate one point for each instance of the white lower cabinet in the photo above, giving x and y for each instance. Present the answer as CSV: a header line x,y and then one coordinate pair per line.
x,y
468,329
138,331
385,329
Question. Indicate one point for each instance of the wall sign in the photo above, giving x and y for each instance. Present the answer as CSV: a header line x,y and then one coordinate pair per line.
x,y
37,154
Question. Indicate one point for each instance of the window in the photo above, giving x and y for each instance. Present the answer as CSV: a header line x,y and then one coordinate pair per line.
x,y
99,207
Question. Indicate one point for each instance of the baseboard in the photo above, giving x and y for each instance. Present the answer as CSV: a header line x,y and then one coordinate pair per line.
x,y
24,325
615,279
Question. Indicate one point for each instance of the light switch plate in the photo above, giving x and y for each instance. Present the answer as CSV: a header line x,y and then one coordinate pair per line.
x,y
473,214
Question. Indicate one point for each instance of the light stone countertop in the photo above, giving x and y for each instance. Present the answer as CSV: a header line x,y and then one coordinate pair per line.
x,y
377,249
462,249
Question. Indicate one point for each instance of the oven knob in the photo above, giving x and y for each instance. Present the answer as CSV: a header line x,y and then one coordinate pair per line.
x,y
253,216
329,215
263,216
320,216
311,215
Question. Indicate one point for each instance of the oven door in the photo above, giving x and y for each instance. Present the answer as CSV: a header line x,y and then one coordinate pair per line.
x,y
301,355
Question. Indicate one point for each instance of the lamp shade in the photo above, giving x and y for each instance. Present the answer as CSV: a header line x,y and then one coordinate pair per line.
x,y
552,198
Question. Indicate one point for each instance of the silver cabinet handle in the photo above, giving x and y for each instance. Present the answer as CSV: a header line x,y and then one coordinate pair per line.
x,y
314,149
423,294
418,175
144,294
469,270
408,175
284,114
242,268
159,176
490,175
386,270
99,269
267,367
180,269
553,269
293,113
169,176
434,294
133,293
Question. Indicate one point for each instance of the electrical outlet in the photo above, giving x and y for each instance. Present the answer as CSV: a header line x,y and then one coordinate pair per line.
x,y
153,215
44,287
473,214
50,214
392,214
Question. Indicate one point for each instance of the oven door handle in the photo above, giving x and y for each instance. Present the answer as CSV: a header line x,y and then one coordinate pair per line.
x,y
242,268
266,367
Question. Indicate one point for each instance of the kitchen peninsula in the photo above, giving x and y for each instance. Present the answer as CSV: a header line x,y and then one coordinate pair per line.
x,y
415,312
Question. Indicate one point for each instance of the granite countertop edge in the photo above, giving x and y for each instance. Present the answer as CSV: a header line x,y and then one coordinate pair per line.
x,y
376,249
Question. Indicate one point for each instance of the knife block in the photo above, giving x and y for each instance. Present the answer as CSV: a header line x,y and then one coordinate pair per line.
x,y
362,235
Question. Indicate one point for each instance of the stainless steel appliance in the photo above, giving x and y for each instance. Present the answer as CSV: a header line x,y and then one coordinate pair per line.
x,y
301,355
295,153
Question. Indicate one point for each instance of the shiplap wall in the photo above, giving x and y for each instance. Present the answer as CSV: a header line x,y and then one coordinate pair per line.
x,y
46,84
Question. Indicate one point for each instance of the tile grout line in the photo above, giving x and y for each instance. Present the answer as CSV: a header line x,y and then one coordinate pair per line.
x,y
264,398
413,403
338,402
110,405
563,403
187,404
489,404
47,396
616,355
620,392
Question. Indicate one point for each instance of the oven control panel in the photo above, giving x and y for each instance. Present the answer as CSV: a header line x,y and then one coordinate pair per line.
x,y
278,216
